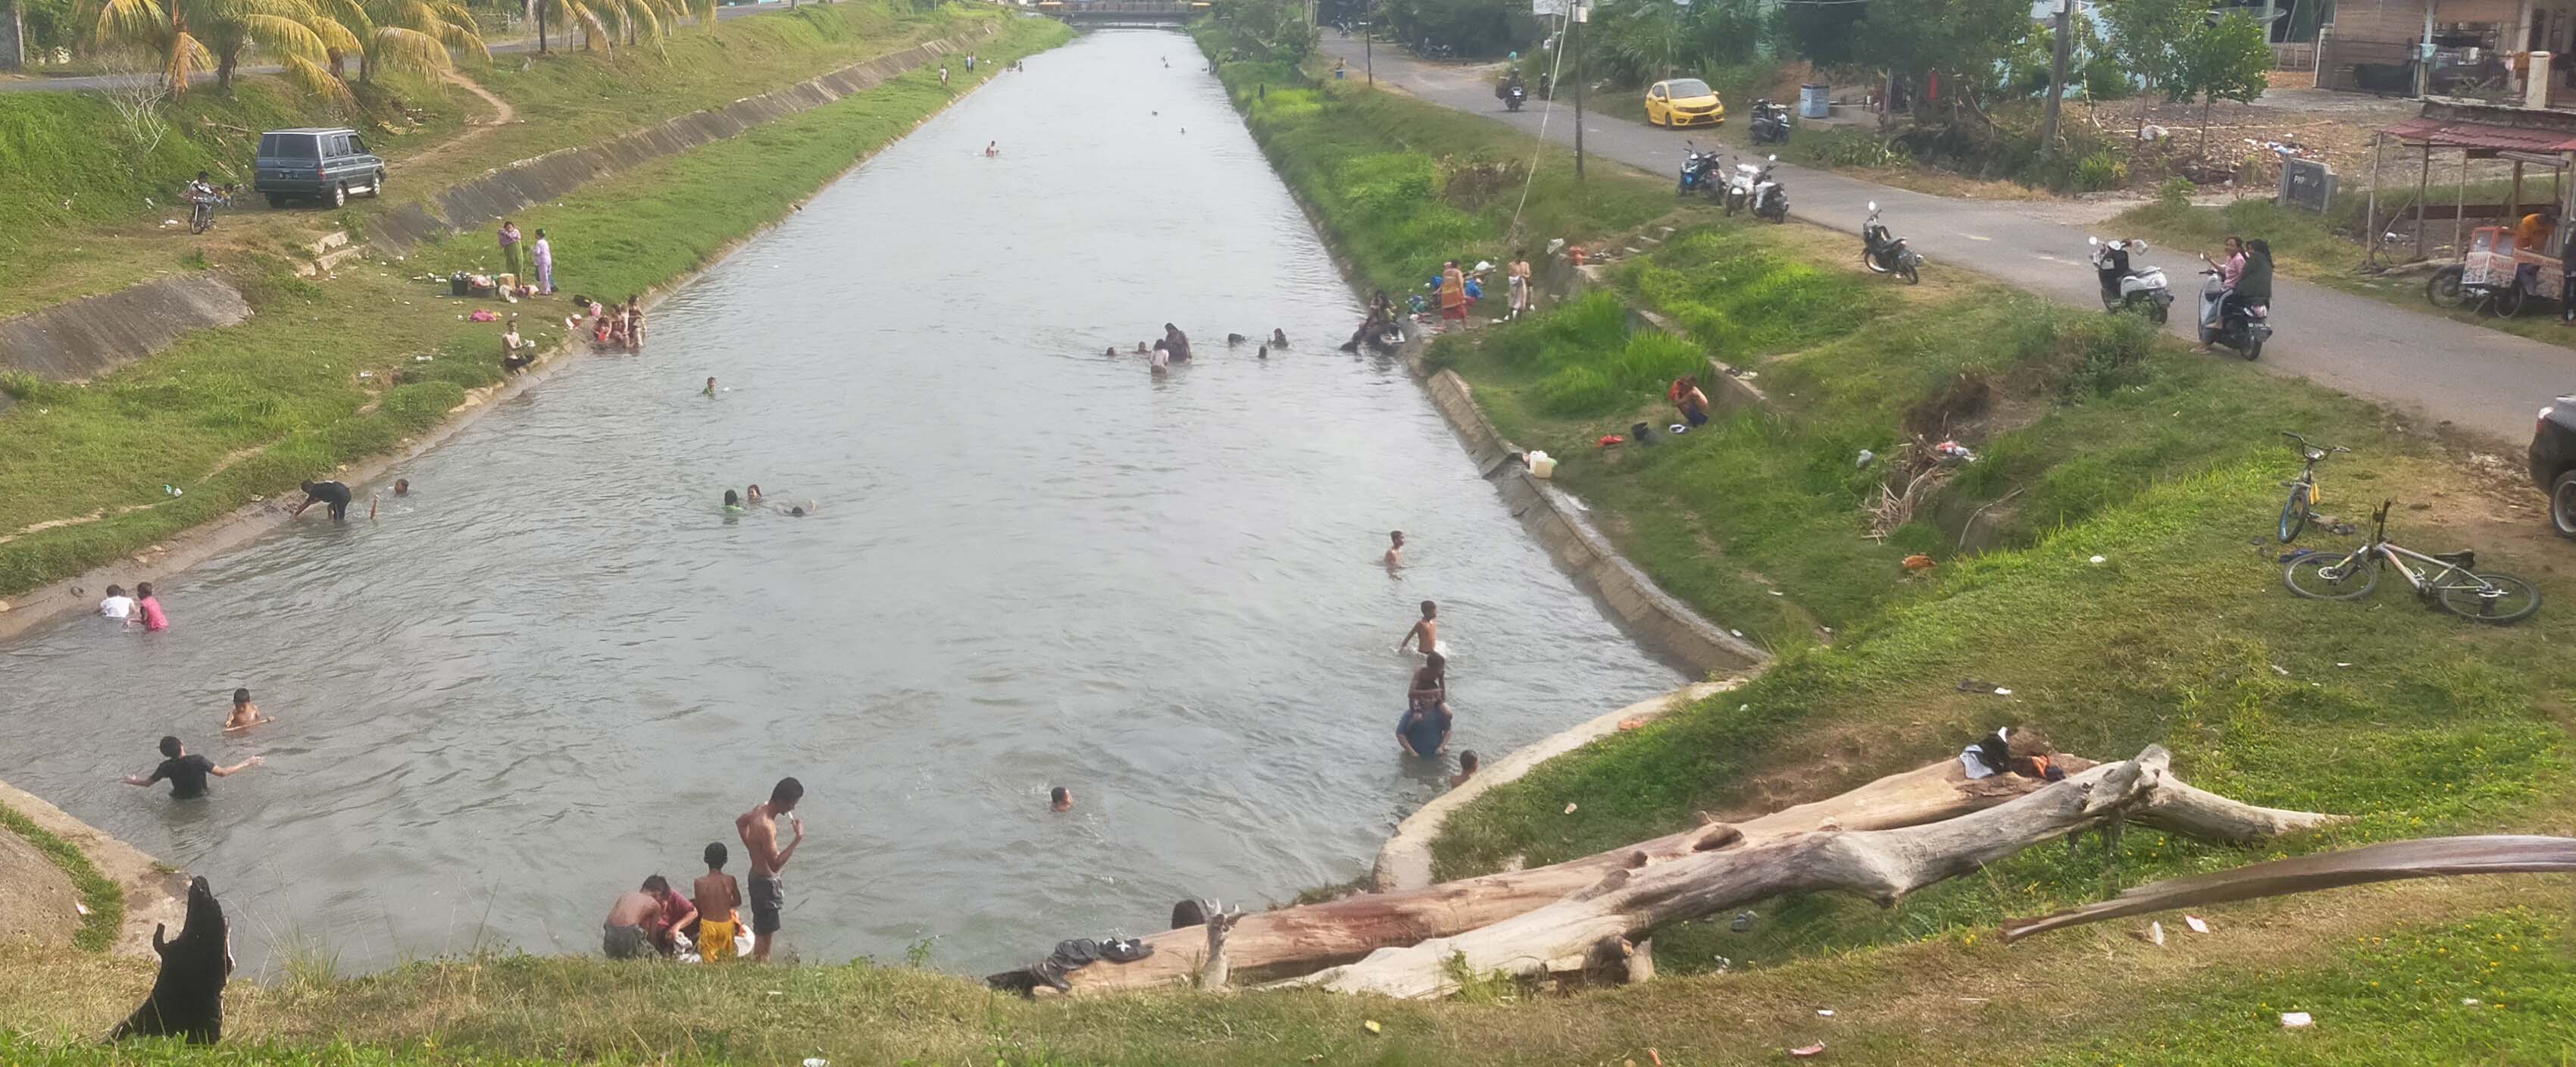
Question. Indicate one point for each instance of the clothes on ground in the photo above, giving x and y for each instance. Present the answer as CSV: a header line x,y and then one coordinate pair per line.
x,y
186,775
768,899
624,942
117,607
1071,956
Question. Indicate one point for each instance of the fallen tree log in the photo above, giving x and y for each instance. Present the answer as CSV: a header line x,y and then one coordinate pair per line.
x,y
2431,857
1298,940
1883,865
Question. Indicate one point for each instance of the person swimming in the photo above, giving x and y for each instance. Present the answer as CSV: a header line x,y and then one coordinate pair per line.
x,y
1278,338
732,501
752,495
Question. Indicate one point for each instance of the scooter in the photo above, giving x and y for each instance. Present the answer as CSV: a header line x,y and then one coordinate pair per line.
x,y
1739,187
1769,198
2126,289
2243,328
1699,172
1770,123
1514,96
1885,253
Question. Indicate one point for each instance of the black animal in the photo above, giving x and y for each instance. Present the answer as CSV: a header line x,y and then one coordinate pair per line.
x,y
187,1000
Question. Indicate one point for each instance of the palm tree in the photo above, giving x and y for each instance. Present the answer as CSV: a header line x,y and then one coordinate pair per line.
x,y
187,36
405,35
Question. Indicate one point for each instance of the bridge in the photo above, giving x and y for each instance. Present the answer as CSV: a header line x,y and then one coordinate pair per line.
x,y
1123,12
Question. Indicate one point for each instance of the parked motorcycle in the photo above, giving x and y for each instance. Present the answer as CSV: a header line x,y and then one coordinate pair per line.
x,y
1885,253
202,205
1699,172
1739,187
2238,326
1770,123
2125,288
1768,199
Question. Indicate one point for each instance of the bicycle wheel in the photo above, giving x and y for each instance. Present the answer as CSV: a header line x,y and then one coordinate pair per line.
x,y
2325,576
2294,515
2491,598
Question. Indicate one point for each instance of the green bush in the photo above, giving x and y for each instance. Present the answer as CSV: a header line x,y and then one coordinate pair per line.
x,y
1577,391
2103,169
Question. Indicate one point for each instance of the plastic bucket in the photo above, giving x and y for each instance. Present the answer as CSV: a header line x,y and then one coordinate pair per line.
x,y
1815,101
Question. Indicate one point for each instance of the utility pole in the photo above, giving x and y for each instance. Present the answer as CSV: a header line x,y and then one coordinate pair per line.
x,y
2057,75
1575,28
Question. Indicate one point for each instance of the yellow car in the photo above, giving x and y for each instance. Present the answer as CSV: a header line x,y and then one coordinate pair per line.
x,y
1683,102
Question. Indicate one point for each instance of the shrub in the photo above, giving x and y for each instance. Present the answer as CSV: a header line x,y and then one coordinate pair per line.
x,y
2101,170
1578,391
2176,191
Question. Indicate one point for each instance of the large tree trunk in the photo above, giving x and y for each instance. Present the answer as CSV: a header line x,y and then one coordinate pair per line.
x,y
2428,858
1575,934
1298,940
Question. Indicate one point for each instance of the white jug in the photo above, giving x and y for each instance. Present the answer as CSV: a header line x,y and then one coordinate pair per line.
x,y
1542,464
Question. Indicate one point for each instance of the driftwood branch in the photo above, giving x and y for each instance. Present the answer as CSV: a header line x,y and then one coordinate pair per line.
x,y
2431,857
1883,865
1294,941
1217,971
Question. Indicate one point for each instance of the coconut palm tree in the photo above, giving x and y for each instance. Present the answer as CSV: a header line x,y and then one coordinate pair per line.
x,y
187,36
416,36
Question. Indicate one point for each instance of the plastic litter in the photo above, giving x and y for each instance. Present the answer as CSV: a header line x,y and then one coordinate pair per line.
x,y
2280,670
2098,559
1867,457
1955,450
1608,440
1569,809
1371,1026
1824,1013
2155,934
1805,1052
1743,923
817,1061
2296,1019
1677,428
2470,1002
2197,924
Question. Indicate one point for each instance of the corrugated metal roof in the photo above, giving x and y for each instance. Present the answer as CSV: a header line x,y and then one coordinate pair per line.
x,y
2453,133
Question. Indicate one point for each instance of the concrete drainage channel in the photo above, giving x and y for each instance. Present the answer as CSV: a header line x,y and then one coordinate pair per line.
x,y
85,338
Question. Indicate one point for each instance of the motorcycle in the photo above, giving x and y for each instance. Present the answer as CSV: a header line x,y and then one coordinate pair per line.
x,y
1770,123
1885,253
1514,96
1739,187
2238,326
1699,172
201,211
1768,199
2127,289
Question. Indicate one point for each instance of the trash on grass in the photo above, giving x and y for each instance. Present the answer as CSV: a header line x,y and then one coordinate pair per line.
x,y
1743,922
2098,559
2197,924
1808,1051
1371,1026
1866,458
1824,1013
2296,1019
1569,808
2154,935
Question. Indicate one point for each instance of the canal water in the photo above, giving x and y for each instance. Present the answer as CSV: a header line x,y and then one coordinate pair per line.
x,y
558,666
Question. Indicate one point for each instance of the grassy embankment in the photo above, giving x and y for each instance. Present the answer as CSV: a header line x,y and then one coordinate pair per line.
x,y
2097,438
236,413
106,903
75,181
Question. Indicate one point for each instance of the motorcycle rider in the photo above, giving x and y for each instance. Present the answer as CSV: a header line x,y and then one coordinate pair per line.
x,y
1512,80
2254,283
2230,271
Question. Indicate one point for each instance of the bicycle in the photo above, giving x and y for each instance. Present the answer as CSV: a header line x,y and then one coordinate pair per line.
x,y
2303,492
2490,597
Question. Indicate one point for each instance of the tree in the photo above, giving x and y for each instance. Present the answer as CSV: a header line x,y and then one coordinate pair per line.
x,y
2147,36
2229,59
1470,27
1637,40
188,36
1277,27
1824,34
1965,41
414,36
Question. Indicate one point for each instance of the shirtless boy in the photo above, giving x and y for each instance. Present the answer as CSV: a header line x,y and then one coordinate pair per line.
x,y
1394,550
759,830
718,898
245,714
1427,631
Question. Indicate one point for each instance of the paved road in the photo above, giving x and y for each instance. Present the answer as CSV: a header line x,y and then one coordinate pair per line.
x,y
110,81
2480,380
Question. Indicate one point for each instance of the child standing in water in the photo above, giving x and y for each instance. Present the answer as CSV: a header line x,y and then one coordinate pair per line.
x,y
1394,549
1427,631
245,714
717,896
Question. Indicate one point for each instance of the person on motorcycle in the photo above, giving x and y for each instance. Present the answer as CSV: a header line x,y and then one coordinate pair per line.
x,y
200,190
1512,80
2230,270
2254,283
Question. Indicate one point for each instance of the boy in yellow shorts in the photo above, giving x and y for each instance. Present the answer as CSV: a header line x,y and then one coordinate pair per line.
x,y
717,896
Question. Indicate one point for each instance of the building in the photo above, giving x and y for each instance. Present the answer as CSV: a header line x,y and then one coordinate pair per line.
x,y
2477,48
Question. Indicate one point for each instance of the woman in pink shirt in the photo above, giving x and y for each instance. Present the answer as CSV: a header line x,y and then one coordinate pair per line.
x,y
148,608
